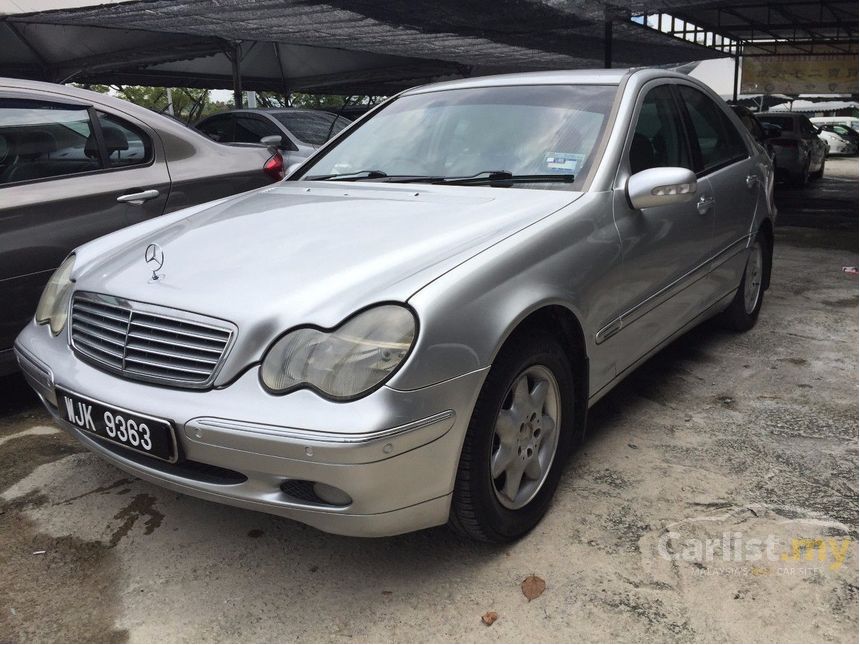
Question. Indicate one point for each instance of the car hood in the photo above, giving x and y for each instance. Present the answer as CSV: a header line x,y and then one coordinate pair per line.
x,y
309,252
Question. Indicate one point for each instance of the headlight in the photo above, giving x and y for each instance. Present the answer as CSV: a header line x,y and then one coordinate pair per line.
x,y
343,363
54,304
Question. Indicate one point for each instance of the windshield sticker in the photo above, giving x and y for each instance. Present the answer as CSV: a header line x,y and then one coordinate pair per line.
x,y
563,162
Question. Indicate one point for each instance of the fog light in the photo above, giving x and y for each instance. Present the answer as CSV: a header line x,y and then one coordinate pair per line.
x,y
331,495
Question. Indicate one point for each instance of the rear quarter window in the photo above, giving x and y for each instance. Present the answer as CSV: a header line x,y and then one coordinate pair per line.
x,y
126,144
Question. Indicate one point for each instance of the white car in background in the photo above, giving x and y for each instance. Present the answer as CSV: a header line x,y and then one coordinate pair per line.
x,y
851,121
837,144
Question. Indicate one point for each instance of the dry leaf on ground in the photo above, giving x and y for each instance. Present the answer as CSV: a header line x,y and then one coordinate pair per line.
x,y
489,618
533,587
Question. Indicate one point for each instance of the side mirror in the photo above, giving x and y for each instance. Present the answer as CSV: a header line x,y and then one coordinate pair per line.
x,y
273,140
661,187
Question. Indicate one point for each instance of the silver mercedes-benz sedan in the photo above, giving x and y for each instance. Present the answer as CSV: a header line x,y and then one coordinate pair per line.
x,y
410,329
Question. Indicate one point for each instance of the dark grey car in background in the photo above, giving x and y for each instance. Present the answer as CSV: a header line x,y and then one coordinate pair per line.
x,y
75,165
800,153
301,131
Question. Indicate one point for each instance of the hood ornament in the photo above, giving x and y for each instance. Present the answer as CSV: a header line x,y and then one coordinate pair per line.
x,y
154,258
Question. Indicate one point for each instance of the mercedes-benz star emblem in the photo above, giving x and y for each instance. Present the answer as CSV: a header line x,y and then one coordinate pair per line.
x,y
154,257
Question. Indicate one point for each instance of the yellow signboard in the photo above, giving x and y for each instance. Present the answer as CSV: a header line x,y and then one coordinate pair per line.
x,y
832,74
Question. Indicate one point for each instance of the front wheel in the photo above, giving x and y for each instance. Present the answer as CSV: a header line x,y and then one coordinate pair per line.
x,y
520,433
742,313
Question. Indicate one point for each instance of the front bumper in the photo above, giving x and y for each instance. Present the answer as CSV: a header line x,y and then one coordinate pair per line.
x,y
394,453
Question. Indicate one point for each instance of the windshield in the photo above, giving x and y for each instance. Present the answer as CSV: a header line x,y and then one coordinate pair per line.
x,y
522,130
314,128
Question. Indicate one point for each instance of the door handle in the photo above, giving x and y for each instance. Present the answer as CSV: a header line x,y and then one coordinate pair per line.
x,y
752,180
704,204
138,198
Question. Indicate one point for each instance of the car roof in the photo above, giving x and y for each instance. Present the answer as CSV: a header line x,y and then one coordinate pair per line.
x,y
556,77
780,114
559,77
71,94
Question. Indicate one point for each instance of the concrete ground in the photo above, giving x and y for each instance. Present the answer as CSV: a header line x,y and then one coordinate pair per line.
x,y
718,446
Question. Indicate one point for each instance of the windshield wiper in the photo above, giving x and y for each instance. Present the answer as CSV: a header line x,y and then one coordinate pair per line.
x,y
502,178
350,176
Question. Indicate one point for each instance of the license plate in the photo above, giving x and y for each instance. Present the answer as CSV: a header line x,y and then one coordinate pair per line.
x,y
138,432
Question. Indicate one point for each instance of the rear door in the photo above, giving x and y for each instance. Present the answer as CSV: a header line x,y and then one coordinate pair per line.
x,y
67,172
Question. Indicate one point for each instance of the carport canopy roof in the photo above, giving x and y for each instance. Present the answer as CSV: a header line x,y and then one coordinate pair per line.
x,y
371,47
344,46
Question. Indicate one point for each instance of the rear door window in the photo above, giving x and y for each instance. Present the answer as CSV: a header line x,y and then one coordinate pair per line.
x,y
40,140
718,141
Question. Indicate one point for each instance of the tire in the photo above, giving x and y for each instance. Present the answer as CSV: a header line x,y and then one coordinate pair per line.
x,y
480,508
818,174
742,313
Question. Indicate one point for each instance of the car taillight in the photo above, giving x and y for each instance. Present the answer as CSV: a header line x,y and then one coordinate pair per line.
x,y
274,167
785,143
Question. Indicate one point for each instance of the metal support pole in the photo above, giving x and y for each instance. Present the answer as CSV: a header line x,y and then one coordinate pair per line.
x,y
737,69
286,87
237,77
607,44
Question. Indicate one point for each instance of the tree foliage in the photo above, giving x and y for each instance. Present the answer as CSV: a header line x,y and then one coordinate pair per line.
x,y
190,105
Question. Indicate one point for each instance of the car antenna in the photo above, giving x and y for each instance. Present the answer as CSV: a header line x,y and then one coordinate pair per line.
x,y
337,116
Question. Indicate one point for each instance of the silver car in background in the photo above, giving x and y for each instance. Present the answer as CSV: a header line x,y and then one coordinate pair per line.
x,y
410,329
800,153
298,132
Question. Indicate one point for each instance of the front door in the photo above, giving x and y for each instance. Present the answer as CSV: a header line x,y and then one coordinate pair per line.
x,y
665,250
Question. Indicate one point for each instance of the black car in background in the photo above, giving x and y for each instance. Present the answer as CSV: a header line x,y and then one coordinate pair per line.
x,y
762,132
75,165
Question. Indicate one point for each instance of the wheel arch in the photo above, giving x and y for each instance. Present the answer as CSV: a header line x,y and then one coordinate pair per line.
x,y
559,320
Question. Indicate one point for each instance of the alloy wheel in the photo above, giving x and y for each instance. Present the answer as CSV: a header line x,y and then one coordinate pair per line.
x,y
752,281
526,437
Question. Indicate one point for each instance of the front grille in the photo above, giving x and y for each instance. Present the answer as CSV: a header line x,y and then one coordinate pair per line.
x,y
148,343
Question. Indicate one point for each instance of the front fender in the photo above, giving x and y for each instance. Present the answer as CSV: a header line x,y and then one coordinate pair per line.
x,y
571,259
